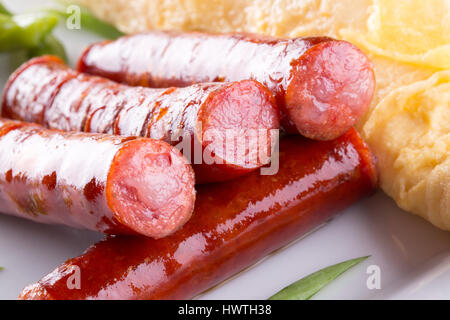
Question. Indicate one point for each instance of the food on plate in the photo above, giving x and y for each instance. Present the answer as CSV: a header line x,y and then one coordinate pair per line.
x,y
234,224
417,161
408,42
321,85
111,184
414,31
233,123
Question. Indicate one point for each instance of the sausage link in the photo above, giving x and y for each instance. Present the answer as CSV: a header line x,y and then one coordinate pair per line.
x,y
234,225
203,114
100,182
35,90
322,85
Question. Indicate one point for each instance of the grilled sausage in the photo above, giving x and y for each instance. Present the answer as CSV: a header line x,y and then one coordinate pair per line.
x,y
111,184
235,224
218,117
322,85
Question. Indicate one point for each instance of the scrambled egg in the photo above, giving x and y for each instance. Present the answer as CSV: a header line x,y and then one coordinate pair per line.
x,y
408,124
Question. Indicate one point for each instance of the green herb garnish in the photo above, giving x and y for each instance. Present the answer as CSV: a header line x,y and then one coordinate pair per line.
x,y
305,288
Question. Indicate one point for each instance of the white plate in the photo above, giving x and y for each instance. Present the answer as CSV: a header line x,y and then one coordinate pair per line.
x,y
413,257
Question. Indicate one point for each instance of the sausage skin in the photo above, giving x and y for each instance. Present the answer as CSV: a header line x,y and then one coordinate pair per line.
x,y
202,114
111,184
234,225
322,85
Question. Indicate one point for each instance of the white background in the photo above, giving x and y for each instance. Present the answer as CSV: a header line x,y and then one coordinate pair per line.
x,y
413,256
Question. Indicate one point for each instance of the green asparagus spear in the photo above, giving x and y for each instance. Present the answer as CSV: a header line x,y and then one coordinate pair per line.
x,y
305,288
